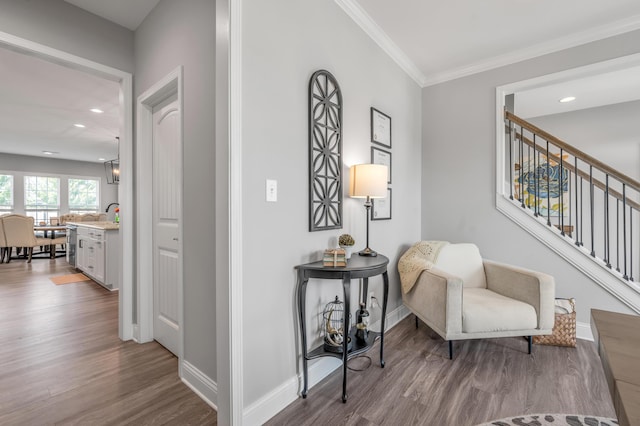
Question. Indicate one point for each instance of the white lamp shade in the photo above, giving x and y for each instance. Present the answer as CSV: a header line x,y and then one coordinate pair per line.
x,y
368,180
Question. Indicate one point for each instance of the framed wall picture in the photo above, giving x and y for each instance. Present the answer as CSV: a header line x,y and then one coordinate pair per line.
x,y
380,128
381,209
380,156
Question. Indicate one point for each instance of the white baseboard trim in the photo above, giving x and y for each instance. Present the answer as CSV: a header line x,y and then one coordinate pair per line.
x,y
200,383
275,401
583,331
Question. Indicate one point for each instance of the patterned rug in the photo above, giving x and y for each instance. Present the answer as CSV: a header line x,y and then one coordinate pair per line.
x,y
552,420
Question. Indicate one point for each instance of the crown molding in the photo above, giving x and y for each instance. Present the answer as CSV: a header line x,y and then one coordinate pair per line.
x,y
377,34
598,33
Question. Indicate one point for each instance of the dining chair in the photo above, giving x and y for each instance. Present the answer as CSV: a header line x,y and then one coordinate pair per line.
x,y
18,231
3,241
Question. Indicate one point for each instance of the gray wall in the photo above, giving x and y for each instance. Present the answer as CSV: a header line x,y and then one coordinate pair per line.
x,y
609,133
65,27
284,42
23,163
458,177
183,33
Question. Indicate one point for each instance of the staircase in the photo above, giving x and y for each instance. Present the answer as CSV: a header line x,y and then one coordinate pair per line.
x,y
586,211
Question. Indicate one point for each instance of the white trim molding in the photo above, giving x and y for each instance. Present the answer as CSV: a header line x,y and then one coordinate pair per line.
x,y
125,196
377,34
169,85
275,401
236,265
203,386
598,33
626,291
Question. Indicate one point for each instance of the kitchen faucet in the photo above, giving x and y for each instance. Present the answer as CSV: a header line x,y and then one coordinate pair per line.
x,y
109,206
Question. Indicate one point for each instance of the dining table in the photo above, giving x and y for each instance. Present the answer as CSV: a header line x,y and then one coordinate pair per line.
x,y
50,231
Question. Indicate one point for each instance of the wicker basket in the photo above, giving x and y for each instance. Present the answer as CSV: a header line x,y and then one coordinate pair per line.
x,y
564,330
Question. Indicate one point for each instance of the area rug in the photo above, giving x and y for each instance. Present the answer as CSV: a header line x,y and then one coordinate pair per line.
x,y
68,279
552,420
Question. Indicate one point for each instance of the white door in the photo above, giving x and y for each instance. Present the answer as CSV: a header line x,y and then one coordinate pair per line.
x,y
167,212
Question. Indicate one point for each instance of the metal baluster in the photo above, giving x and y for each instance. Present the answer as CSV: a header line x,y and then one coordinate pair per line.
x,y
624,229
561,201
521,168
593,250
607,252
570,204
581,211
548,189
577,239
536,177
528,173
511,182
630,243
617,235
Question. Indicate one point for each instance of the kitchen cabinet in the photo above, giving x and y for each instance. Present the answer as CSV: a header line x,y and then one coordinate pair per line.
x,y
98,254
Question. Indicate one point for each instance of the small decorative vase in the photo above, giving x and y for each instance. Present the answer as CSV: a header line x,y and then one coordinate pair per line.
x,y
347,251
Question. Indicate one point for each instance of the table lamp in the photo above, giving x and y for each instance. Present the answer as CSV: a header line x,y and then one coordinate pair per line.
x,y
368,181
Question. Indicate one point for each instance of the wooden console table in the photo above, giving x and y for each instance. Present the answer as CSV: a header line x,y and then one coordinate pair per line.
x,y
617,337
357,267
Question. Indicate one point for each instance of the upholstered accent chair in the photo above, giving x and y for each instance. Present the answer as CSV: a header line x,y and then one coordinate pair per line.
x,y
18,231
466,297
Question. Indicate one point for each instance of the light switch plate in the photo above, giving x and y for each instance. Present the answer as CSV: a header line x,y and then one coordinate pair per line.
x,y
272,190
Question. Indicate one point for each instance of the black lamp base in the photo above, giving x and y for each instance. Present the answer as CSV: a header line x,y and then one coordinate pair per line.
x,y
368,252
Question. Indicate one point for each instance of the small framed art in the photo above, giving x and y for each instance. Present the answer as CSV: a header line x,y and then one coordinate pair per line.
x,y
380,156
380,128
381,209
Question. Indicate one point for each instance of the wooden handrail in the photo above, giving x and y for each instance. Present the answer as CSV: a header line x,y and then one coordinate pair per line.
x,y
583,156
581,173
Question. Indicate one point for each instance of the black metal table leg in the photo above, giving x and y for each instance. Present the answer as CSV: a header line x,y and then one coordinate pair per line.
x,y
385,280
346,286
302,291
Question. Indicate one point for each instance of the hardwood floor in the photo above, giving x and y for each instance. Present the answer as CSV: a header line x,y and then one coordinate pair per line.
x,y
487,380
61,362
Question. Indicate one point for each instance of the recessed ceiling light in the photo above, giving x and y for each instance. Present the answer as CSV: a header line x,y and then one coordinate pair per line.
x,y
96,110
49,152
82,126
568,99
101,159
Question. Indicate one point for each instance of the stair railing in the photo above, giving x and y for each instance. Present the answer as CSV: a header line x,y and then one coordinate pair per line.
x,y
586,200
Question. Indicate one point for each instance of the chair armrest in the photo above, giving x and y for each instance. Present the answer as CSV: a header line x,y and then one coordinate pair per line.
x,y
535,288
436,298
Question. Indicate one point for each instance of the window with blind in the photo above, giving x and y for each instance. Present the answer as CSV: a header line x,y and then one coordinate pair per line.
x,y
6,193
42,197
84,195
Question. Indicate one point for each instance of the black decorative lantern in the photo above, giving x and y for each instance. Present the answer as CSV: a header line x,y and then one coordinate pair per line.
x,y
333,327
112,168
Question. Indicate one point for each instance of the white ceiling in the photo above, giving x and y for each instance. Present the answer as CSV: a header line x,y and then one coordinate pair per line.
x,y
127,13
432,41
608,88
40,102
437,41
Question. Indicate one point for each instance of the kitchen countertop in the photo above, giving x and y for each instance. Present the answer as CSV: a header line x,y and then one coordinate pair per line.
x,y
108,226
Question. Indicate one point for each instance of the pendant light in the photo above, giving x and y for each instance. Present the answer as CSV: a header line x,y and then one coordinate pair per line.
x,y
112,167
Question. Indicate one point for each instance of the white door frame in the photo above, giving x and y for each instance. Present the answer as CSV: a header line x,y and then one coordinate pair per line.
x,y
169,85
125,190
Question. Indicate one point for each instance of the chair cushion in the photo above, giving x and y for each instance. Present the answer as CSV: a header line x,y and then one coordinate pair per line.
x,y
486,311
464,261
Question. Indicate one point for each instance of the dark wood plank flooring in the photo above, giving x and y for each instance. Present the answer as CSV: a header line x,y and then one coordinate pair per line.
x,y
62,363
487,380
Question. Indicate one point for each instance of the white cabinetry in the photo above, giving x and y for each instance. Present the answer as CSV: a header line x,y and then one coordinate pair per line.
x,y
97,255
